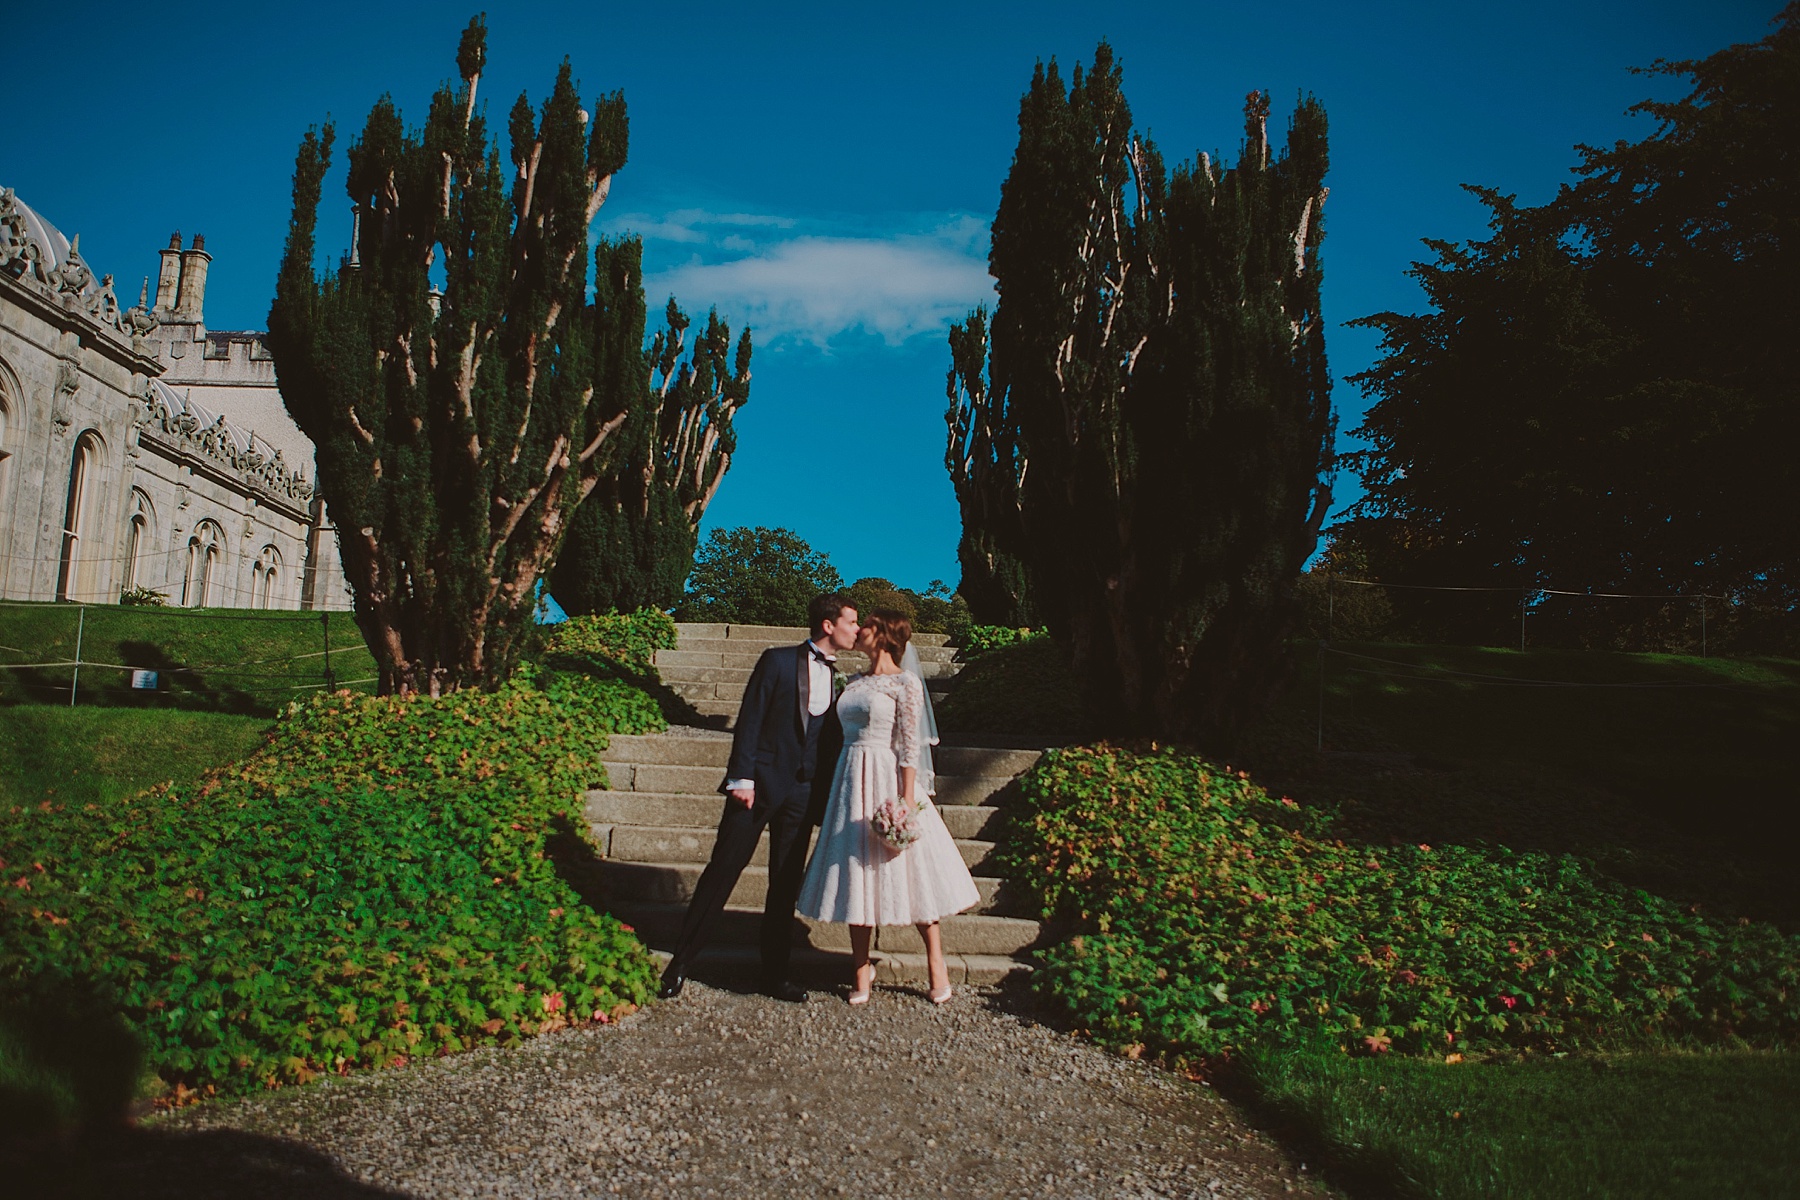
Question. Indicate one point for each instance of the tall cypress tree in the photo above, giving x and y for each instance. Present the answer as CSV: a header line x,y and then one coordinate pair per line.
x,y
1155,411
632,542
457,428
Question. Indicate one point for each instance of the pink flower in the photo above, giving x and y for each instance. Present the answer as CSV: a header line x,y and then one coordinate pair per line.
x,y
1509,1001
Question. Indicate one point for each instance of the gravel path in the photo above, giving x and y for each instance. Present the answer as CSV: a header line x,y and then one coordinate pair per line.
x,y
727,1093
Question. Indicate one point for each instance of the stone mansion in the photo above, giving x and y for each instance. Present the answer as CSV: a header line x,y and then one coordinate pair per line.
x,y
140,450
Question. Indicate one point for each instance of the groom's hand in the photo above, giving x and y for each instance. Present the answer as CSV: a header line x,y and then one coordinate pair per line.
x,y
743,796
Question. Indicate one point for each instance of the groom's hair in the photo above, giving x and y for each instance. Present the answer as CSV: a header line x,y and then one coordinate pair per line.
x,y
891,630
825,608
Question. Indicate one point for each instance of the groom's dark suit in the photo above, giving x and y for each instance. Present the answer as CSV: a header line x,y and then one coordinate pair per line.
x,y
790,754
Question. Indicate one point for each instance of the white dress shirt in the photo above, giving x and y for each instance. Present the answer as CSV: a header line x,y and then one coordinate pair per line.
x,y
818,700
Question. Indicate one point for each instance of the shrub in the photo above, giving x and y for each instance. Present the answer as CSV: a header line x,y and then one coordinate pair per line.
x,y
1216,916
627,642
1024,688
372,886
978,640
756,576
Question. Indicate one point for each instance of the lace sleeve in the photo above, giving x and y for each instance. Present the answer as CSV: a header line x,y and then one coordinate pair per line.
x,y
906,720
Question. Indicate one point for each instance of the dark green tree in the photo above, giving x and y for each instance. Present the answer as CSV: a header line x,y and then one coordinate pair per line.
x,y
1602,393
985,466
756,576
632,542
1155,405
462,391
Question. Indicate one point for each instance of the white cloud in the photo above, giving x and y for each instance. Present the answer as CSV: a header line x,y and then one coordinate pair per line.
x,y
814,287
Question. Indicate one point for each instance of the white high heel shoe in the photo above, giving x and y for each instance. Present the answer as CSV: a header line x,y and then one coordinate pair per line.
x,y
860,996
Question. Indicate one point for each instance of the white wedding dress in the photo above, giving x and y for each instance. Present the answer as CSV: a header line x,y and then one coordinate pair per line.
x,y
855,878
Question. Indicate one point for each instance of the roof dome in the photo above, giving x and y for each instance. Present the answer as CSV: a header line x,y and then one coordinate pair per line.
x,y
24,223
179,404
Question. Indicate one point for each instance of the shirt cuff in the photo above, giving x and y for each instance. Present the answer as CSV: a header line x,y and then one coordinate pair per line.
x,y
733,785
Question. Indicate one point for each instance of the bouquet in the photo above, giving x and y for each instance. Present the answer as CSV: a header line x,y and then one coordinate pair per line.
x,y
896,822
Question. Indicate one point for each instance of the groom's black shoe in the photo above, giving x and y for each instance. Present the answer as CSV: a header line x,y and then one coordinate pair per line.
x,y
672,982
782,989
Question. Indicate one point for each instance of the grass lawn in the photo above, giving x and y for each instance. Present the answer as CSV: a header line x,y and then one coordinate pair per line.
x,y
1665,1125
83,755
1676,774
224,660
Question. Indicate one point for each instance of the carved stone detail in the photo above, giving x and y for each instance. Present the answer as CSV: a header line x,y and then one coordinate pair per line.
x,y
182,430
62,403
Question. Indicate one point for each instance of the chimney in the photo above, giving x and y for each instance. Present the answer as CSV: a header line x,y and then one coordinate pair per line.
x,y
192,305
168,283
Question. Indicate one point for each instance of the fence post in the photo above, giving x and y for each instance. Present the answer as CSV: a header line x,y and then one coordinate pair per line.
x,y
1524,596
325,622
1330,623
1321,695
1702,626
80,628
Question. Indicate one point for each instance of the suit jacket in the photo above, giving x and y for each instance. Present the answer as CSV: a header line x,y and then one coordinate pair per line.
x,y
769,744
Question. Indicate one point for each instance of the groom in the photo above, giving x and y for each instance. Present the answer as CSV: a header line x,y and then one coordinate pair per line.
x,y
782,756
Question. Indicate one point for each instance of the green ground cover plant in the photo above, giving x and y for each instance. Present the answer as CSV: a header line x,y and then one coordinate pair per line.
x,y
978,640
1629,760
102,755
1021,686
221,660
372,886
1217,916
625,642
1671,1125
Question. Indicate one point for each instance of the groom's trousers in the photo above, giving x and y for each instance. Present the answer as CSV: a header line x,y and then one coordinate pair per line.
x,y
739,831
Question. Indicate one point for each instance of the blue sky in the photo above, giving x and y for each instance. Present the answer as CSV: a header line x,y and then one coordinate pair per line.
x,y
827,173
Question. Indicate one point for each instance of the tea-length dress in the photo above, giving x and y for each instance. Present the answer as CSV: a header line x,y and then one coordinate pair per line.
x,y
854,877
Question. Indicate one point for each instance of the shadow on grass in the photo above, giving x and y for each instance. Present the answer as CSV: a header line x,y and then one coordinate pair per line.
x,y
675,707
178,685
67,1060
149,1164
69,1069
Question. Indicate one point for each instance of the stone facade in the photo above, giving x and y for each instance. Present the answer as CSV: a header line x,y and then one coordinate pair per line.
x,y
140,450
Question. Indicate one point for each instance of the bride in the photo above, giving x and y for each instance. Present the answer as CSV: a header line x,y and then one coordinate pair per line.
x,y
856,876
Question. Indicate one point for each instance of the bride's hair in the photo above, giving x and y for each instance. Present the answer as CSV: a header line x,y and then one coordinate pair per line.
x,y
891,631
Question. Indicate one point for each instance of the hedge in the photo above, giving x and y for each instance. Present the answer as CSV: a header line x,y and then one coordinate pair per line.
x,y
372,886
1214,916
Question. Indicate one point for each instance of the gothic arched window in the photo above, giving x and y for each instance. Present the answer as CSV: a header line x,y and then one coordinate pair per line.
x,y
78,516
138,540
265,579
5,445
205,556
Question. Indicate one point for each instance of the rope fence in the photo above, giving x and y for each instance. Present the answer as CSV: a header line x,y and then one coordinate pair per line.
x,y
1535,600
231,581
240,660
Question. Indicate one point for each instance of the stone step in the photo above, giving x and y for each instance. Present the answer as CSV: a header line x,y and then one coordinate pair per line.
x,y
657,777
792,634
659,922
709,690
952,790
829,970
723,711
849,660
673,883
662,749
743,660
677,675
686,844
687,810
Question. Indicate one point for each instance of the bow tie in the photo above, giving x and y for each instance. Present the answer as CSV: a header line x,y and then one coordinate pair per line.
x,y
830,662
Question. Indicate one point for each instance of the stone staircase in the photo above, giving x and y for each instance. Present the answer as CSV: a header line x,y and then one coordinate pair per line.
x,y
656,822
